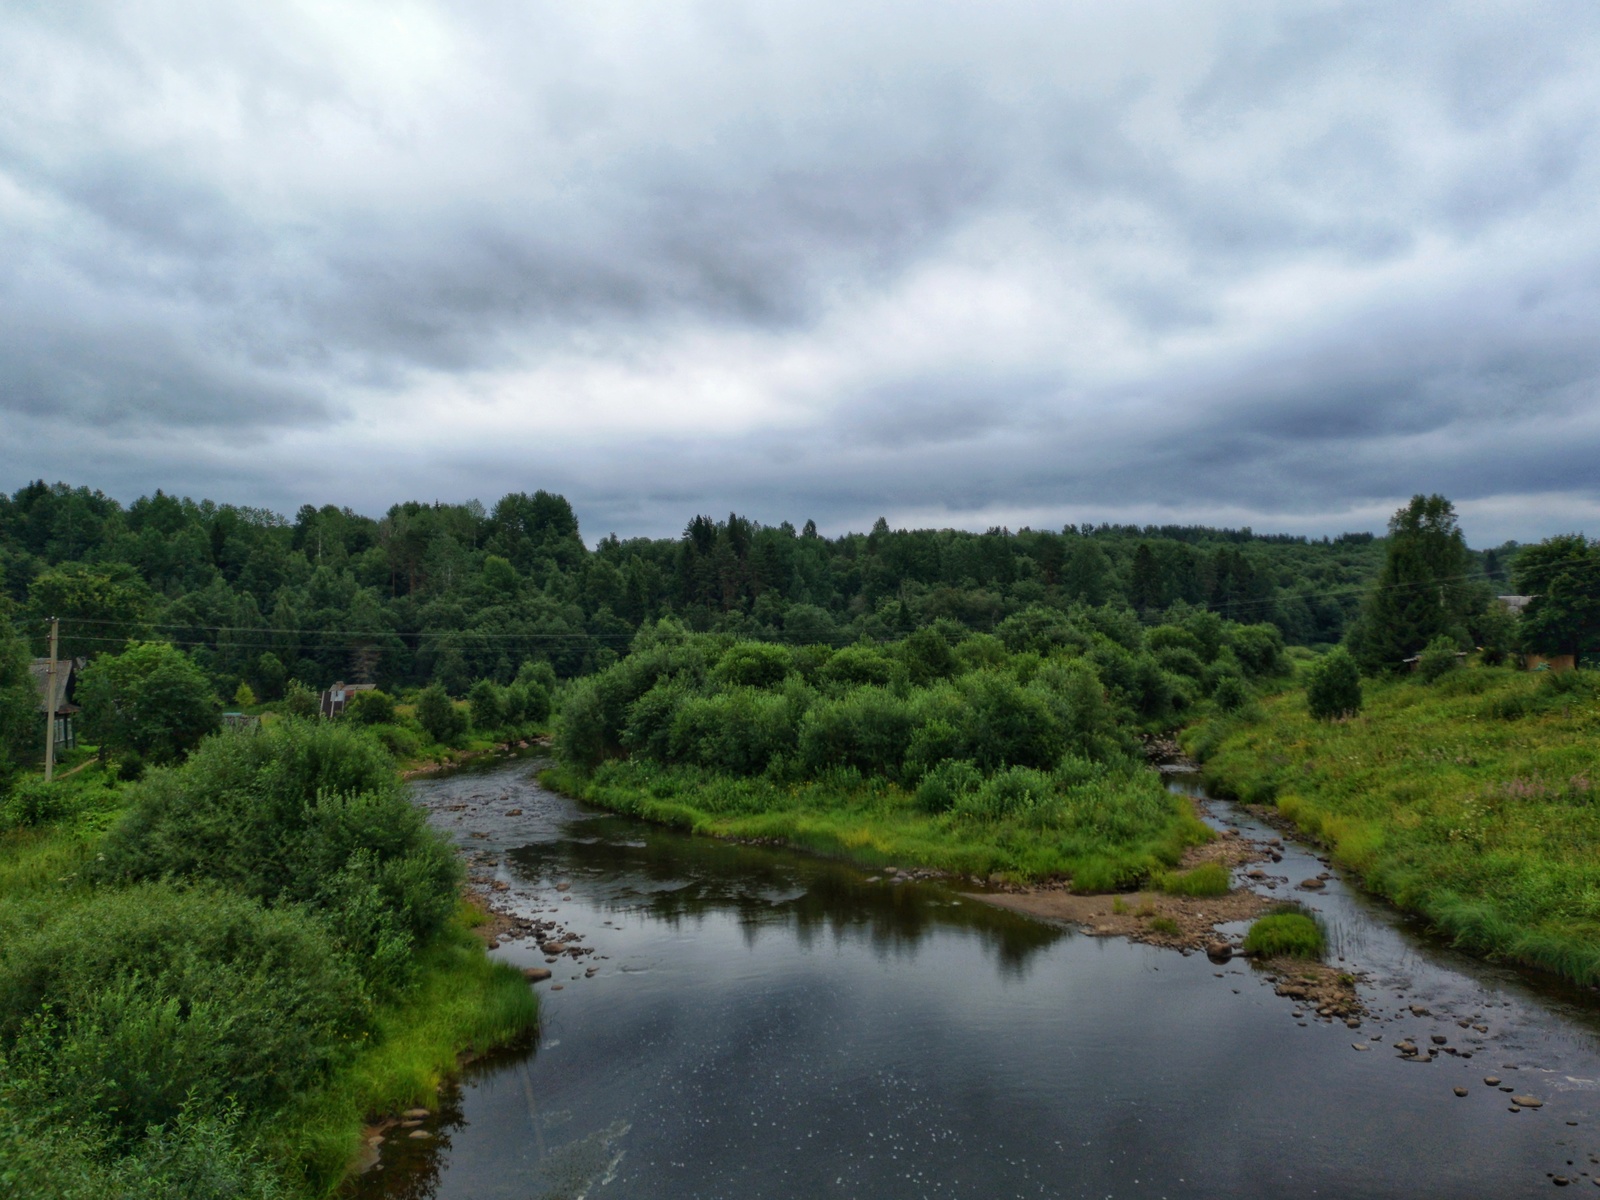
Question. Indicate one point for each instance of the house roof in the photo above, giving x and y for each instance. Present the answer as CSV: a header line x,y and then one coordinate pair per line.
x,y
39,669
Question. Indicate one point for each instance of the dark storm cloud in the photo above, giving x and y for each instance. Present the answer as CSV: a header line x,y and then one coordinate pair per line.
x,y
1289,260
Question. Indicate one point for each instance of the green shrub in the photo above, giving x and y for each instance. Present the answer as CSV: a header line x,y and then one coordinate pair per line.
x,y
868,728
487,705
440,719
1013,792
32,801
152,699
1438,659
753,664
1208,879
301,700
1333,686
1231,694
134,1005
371,708
1290,934
943,787
857,666
738,731
304,811
1165,925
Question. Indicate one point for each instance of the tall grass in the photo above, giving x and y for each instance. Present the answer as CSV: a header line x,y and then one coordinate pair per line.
x,y
1286,934
1473,801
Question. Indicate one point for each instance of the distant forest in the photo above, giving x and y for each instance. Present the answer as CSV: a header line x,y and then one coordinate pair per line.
x,y
456,592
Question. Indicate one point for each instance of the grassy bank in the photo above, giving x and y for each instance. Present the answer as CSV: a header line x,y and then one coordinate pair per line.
x,y
1471,801
1104,834
210,980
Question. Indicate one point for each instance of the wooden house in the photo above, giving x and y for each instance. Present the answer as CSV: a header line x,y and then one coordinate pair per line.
x,y
66,687
339,695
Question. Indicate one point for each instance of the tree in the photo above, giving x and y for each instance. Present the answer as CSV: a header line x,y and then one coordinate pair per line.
x,y
439,717
1422,592
19,704
487,705
1562,574
150,700
1334,687
102,607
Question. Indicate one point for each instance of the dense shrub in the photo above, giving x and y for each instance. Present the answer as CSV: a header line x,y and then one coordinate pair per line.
x,y
135,1004
1437,659
754,664
1333,686
1231,693
868,728
945,785
371,708
487,705
739,731
440,719
307,812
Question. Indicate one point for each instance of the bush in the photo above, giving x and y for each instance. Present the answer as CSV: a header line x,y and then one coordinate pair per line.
x,y
136,1005
1290,934
32,801
738,731
371,708
306,812
1231,694
581,732
487,705
1333,688
1437,660
867,728
944,787
753,664
440,719
300,700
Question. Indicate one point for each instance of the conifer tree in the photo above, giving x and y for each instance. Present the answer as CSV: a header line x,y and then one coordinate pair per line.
x,y
1423,591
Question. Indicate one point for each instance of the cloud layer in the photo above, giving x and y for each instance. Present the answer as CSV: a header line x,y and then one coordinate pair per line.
x,y
1279,264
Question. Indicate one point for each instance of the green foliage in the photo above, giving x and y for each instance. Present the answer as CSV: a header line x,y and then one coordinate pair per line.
x,y
300,700
137,1005
304,812
244,696
1562,574
753,664
438,715
1438,659
151,700
486,702
31,802
1287,934
1208,879
370,708
1470,802
19,706
1422,592
1333,686
1231,694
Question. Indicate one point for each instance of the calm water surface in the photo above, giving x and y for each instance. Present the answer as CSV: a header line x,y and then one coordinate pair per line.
x,y
768,1024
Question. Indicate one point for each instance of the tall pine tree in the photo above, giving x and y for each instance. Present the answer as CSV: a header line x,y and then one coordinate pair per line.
x,y
1423,591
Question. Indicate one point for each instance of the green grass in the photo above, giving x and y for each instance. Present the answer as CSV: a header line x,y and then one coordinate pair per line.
x,y
1473,801
1165,925
1208,879
1105,837
1285,935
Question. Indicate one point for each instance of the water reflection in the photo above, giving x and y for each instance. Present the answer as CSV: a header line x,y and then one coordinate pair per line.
x,y
675,879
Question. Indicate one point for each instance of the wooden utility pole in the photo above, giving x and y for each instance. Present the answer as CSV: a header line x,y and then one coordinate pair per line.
x,y
51,704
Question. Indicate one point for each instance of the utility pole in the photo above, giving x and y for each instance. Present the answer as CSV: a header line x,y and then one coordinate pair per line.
x,y
50,704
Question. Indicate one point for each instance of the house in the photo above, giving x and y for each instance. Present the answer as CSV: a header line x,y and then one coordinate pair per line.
x,y
61,704
1549,662
1514,604
336,697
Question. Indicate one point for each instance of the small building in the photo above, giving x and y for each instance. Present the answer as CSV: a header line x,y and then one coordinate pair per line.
x,y
336,697
1514,604
239,720
61,704
1416,660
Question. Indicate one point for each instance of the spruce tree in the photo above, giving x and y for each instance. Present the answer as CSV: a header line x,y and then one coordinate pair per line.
x,y
1423,591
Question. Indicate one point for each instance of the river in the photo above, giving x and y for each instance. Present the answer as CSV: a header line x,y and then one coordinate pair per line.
x,y
753,1023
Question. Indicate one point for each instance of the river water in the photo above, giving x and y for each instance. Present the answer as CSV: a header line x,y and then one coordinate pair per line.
x,y
762,1023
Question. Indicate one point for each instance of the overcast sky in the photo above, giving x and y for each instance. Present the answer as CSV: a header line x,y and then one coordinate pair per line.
x,y
1277,264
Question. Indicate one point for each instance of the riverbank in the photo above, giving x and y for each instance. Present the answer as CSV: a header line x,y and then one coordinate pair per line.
x,y
1129,828
1471,802
255,1097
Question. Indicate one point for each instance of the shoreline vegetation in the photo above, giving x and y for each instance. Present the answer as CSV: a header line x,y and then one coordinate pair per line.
x,y
211,980
1469,799
1007,758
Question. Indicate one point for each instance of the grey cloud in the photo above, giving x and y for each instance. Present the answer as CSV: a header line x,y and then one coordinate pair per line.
x,y
777,173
